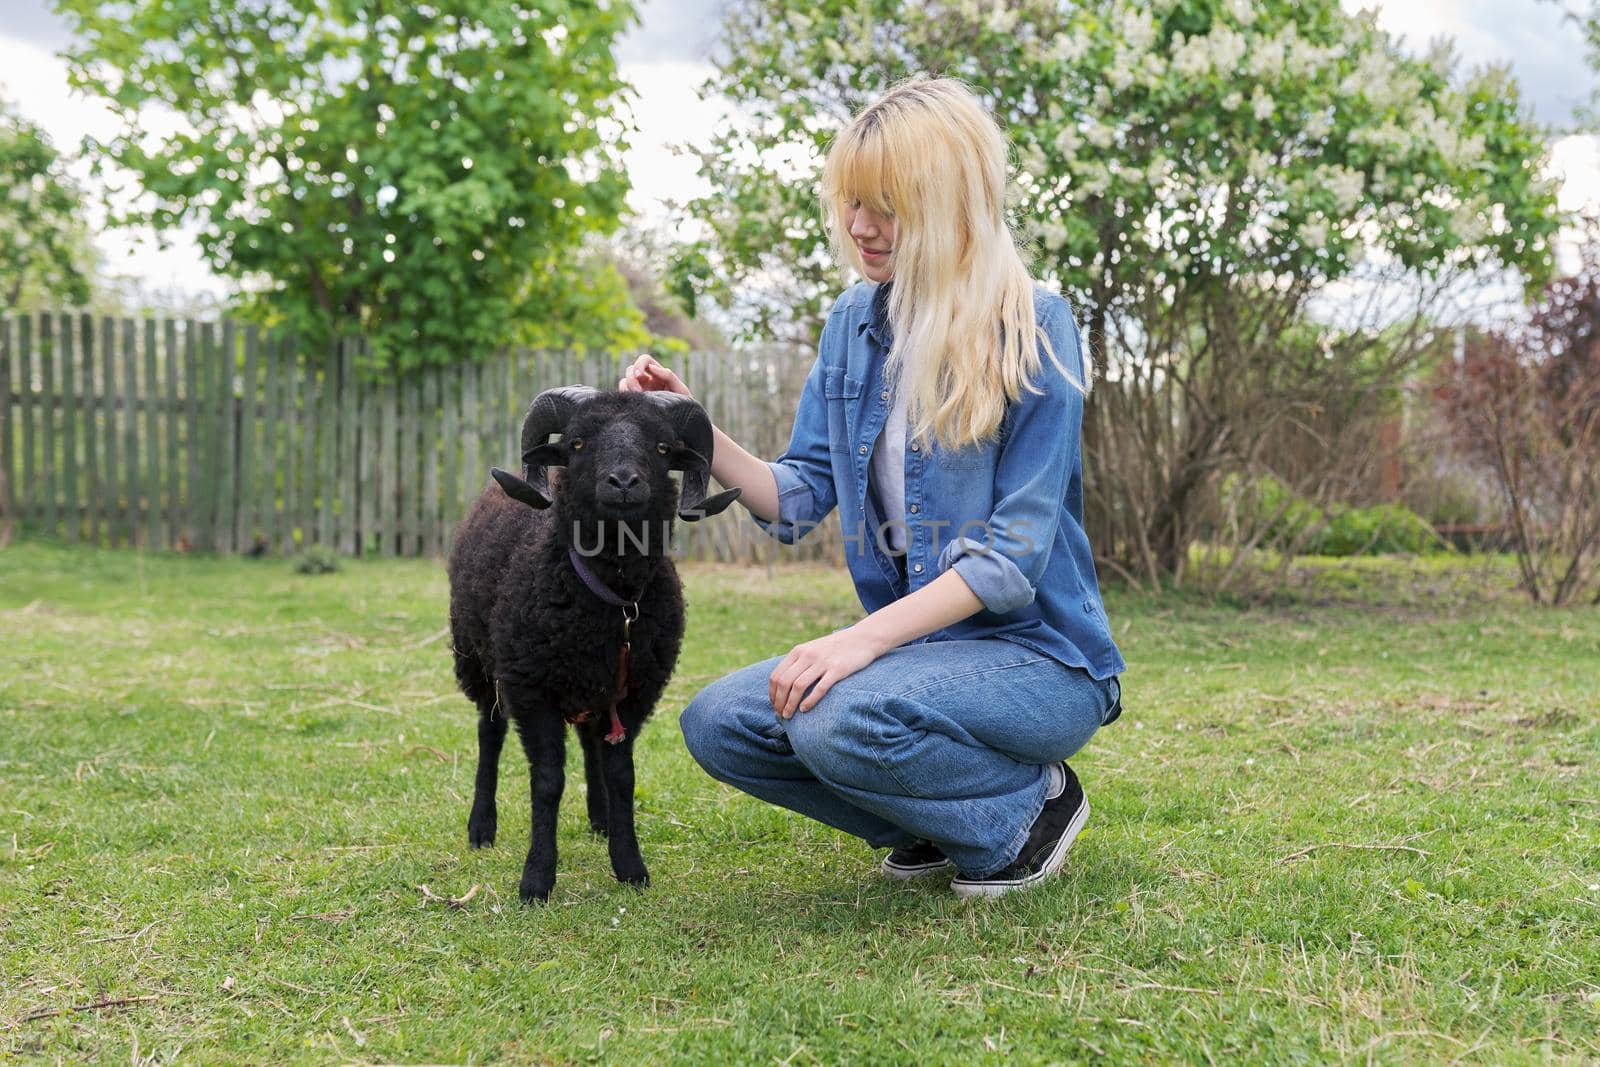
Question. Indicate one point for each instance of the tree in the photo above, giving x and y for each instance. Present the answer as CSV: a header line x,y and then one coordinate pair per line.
x,y
44,246
427,174
1193,174
1525,401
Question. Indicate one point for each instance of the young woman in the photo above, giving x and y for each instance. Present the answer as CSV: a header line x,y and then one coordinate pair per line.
x,y
942,417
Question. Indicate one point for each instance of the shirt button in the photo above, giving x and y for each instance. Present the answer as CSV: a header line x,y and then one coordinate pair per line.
x,y
917,567
863,450
884,395
916,448
915,508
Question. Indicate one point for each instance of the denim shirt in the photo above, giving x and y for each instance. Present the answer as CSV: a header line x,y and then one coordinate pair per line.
x,y
1007,516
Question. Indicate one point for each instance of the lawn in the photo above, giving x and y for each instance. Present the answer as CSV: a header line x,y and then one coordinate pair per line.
x,y
1361,821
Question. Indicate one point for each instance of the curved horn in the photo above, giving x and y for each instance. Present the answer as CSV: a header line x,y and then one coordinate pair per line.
x,y
692,426
548,414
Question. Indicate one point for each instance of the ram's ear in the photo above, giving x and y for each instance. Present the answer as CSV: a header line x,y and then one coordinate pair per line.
x,y
711,505
519,490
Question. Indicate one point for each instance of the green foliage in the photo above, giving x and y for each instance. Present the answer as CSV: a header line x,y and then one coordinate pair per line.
x,y
316,560
1162,147
1320,833
43,243
1338,530
426,174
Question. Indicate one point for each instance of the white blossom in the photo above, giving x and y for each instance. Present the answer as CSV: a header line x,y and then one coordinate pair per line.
x,y
1243,10
1096,179
1266,58
1261,105
1227,47
1232,101
1069,48
1345,184
1068,140
1314,234
1125,172
1099,134
1033,161
1387,135
1054,234
1468,221
1441,56
1137,28
1122,70
1258,165
1454,149
1190,57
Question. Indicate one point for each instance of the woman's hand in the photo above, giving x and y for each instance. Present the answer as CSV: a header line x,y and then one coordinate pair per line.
x,y
823,661
645,375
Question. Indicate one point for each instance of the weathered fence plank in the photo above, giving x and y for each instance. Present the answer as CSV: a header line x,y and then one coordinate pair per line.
x,y
67,401
8,428
388,469
192,441
154,411
431,538
249,394
49,454
27,357
133,476
172,473
270,437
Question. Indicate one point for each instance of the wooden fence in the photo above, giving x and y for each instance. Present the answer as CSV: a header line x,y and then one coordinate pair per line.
x,y
221,437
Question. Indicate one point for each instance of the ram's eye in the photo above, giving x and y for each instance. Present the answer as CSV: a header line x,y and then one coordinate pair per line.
x,y
577,444
662,448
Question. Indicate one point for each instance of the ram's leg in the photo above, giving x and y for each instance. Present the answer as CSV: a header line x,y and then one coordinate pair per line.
x,y
491,736
594,781
616,762
544,738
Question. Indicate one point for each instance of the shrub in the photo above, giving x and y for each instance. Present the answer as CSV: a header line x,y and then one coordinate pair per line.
x,y
1298,524
316,561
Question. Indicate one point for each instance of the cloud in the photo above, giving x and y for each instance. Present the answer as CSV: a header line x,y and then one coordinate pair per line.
x,y
1534,36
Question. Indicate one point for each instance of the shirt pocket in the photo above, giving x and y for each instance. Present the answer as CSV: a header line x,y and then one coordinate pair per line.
x,y
840,392
837,385
965,458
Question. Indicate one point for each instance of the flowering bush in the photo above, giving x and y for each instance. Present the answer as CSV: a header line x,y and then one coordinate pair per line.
x,y
1158,143
1193,174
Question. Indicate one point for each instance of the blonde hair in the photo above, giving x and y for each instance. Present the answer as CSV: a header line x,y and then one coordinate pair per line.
x,y
928,154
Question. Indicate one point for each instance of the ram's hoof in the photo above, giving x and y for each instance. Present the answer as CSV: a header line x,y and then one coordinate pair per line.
x,y
639,879
481,829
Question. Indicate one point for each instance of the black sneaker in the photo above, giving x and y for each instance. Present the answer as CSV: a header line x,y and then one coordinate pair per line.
x,y
915,860
1049,838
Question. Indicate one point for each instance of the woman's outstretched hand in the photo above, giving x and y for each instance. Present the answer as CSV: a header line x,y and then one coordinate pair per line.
x,y
823,661
645,375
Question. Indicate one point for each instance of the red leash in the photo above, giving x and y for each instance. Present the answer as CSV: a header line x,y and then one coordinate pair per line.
x,y
619,689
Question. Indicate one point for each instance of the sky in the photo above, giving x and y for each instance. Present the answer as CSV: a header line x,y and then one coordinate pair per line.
x,y
665,57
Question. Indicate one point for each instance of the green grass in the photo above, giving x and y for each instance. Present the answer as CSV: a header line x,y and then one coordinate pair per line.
x,y
1362,821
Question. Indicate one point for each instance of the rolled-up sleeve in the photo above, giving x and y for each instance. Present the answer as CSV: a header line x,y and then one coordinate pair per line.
x,y
804,473
1036,464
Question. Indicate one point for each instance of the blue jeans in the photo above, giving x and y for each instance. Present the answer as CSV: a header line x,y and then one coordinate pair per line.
x,y
944,740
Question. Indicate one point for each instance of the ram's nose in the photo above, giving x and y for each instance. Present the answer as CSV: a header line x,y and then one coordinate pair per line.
x,y
623,480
